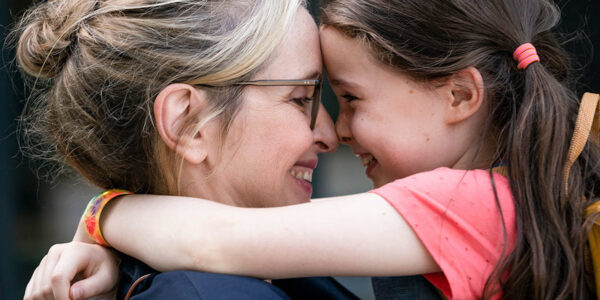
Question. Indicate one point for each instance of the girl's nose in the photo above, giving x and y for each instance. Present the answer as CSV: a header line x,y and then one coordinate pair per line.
x,y
342,128
324,132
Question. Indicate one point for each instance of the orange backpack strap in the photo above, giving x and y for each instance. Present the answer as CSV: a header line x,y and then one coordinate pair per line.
x,y
587,122
587,128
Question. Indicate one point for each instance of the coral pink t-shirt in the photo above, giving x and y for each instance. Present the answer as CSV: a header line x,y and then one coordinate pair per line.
x,y
455,215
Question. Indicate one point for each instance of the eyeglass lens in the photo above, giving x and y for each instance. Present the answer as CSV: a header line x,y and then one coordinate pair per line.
x,y
314,93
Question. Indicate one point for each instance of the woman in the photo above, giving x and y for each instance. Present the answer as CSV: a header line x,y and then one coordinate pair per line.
x,y
464,130
211,99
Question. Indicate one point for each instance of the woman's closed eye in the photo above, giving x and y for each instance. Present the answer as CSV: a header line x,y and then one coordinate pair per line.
x,y
349,97
302,101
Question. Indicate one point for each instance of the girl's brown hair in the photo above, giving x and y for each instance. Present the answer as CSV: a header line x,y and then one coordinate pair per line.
x,y
532,112
95,68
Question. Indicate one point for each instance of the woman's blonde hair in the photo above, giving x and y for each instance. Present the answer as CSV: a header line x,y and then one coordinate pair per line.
x,y
95,68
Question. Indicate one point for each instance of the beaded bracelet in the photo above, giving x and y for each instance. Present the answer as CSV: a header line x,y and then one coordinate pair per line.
x,y
94,209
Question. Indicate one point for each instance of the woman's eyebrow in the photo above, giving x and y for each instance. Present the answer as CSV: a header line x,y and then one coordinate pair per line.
x,y
314,75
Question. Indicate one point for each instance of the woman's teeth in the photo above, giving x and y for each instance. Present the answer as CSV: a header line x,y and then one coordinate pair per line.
x,y
367,159
307,175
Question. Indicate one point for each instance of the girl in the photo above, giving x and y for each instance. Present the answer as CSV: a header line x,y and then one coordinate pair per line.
x,y
433,95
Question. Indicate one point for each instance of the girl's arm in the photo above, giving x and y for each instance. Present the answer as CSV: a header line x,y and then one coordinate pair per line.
x,y
357,235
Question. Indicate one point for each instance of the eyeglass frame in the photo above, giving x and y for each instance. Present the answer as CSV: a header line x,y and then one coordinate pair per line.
x,y
316,97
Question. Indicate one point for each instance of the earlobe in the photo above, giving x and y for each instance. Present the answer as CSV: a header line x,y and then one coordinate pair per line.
x,y
175,110
465,95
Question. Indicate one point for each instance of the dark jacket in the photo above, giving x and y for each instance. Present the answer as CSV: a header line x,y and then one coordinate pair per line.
x,y
200,285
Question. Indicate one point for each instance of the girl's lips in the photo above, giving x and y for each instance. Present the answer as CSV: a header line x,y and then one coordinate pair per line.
x,y
367,160
370,168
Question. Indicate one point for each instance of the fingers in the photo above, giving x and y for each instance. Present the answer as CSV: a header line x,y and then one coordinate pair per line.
x,y
54,255
37,288
29,289
92,286
98,266
52,279
101,273
42,284
66,269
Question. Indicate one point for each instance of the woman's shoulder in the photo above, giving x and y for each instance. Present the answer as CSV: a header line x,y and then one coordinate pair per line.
x,y
190,284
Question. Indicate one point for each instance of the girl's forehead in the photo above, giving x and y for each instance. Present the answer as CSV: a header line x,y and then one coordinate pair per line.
x,y
349,63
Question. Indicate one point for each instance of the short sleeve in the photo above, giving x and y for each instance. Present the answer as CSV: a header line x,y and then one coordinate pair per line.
x,y
456,216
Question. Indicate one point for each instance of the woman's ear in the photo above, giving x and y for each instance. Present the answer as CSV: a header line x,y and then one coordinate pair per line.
x,y
465,95
176,107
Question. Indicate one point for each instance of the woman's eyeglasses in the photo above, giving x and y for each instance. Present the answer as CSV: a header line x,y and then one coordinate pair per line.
x,y
313,93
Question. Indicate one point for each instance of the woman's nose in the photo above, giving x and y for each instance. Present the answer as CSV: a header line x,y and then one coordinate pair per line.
x,y
324,132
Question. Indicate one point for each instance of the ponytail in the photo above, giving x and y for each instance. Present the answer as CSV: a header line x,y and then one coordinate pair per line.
x,y
532,112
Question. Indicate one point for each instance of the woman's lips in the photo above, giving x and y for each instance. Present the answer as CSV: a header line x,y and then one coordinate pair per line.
x,y
310,164
302,172
304,185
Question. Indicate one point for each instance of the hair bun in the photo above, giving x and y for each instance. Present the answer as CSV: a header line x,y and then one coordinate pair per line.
x,y
47,33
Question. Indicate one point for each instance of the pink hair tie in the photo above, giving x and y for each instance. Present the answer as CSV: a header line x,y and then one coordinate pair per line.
x,y
525,55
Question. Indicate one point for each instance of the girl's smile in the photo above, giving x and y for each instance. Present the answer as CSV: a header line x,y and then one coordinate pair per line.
x,y
382,113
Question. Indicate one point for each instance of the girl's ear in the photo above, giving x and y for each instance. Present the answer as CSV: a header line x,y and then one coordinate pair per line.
x,y
465,93
175,107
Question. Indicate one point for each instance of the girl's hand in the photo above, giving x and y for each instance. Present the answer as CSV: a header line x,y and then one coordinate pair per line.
x,y
96,268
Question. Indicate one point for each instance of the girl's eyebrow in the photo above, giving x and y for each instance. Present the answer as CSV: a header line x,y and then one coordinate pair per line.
x,y
345,83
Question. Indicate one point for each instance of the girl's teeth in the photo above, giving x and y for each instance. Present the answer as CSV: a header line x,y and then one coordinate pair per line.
x,y
366,159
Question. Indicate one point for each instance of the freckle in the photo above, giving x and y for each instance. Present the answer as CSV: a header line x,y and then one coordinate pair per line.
x,y
411,92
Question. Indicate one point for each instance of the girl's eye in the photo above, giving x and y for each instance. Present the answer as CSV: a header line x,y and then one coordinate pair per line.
x,y
349,98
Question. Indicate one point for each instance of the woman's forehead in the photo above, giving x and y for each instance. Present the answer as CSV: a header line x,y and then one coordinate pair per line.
x,y
299,54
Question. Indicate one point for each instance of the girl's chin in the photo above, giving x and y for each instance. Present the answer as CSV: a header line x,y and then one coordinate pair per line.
x,y
379,182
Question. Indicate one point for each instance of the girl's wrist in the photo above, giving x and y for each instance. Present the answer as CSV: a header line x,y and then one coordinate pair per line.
x,y
93,215
81,234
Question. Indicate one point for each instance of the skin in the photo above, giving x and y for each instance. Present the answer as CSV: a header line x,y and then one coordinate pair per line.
x,y
350,235
376,100
269,138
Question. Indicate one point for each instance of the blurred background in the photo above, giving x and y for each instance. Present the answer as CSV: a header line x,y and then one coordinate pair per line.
x,y
34,213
